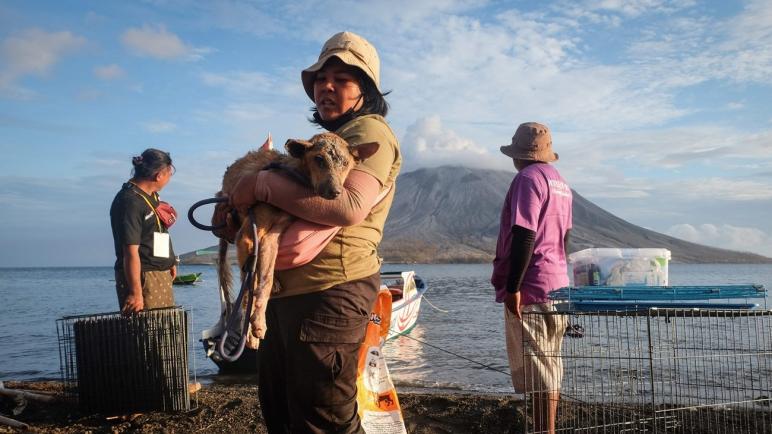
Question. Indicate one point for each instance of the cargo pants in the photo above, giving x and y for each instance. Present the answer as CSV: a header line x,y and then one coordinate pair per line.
x,y
308,359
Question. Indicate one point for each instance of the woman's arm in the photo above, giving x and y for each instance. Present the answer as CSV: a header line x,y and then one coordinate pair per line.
x,y
351,207
132,270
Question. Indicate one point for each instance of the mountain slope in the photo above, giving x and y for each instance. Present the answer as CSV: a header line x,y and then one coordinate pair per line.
x,y
451,214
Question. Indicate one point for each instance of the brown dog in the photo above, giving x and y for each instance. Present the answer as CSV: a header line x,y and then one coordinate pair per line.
x,y
325,161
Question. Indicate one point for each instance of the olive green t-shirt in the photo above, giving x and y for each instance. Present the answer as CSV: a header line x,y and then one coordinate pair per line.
x,y
352,253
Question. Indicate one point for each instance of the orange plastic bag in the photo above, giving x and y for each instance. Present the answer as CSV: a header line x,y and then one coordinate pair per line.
x,y
376,396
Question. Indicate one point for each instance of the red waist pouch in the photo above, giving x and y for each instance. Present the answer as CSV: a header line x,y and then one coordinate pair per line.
x,y
166,214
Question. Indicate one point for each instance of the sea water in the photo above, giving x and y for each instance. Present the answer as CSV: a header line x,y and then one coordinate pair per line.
x,y
458,343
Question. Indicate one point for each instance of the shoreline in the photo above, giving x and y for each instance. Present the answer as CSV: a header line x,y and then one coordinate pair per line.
x,y
228,408
224,380
234,407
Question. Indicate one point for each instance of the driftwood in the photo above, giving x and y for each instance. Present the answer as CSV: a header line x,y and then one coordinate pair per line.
x,y
32,396
13,422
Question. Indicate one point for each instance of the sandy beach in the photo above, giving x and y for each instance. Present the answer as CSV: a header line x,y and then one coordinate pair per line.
x,y
228,408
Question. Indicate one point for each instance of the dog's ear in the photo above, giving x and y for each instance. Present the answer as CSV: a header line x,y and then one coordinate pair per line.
x,y
297,148
268,144
363,151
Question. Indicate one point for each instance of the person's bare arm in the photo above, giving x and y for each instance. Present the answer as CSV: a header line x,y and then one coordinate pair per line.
x,y
351,207
132,269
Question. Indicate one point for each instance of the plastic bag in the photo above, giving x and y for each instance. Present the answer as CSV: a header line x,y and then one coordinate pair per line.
x,y
379,408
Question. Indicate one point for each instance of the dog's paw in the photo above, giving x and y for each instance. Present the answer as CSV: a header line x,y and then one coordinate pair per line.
x,y
258,326
252,341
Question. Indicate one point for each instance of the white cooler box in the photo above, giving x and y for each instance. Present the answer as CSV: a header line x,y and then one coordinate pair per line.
x,y
620,267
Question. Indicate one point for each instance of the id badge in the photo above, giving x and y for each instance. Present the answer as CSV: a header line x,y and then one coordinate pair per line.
x,y
161,244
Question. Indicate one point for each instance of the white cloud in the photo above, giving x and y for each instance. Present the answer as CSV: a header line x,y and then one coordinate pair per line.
x,y
749,47
398,16
89,94
159,127
159,43
94,18
687,51
635,8
428,143
672,148
480,75
37,125
34,51
618,192
512,68
244,122
724,236
247,112
239,82
109,72
247,17
725,189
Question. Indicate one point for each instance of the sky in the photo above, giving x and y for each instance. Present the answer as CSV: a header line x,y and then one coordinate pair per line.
x,y
660,109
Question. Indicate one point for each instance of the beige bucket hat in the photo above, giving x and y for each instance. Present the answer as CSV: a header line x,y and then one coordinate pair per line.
x,y
532,141
350,48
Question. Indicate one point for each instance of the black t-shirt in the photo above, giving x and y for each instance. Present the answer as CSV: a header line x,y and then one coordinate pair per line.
x,y
134,222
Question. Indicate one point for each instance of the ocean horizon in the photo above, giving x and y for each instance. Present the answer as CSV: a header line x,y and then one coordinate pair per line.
x,y
458,315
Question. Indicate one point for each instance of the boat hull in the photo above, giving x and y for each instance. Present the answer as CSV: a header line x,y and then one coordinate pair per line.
x,y
409,287
187,279
404,312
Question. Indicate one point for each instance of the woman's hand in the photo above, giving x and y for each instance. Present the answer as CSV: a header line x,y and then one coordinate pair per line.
x,y
173,271
243,195
512,301
134,303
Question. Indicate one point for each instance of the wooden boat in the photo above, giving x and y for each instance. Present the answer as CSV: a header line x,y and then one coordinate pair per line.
x,y
406,290
186,279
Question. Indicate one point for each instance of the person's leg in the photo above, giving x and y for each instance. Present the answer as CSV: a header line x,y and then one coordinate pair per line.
x,y
521,352
548,336
513,333
545,410
272,375
533,346
325,357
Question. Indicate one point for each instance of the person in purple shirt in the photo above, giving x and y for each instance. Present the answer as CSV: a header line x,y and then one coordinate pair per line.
x,y
530,263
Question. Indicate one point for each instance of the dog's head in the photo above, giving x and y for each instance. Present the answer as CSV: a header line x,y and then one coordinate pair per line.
x,y
327,159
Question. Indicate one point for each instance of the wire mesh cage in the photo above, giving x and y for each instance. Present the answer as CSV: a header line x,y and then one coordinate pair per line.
x,y
118,364
655,370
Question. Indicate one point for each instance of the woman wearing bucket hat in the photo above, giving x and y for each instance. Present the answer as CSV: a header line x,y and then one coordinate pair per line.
x,y
316,323
530,263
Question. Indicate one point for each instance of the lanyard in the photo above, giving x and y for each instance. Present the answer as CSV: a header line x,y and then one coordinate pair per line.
x,y
157,220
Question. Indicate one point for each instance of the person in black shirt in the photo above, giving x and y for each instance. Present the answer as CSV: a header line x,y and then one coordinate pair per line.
x,y
145,264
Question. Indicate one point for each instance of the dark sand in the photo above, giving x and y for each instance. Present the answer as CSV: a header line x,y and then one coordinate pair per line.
x,y
228,408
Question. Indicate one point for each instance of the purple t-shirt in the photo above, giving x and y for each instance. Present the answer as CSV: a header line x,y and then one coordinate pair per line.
x,y
539,199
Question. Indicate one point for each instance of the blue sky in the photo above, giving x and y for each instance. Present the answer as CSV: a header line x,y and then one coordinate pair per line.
x,y
660,109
